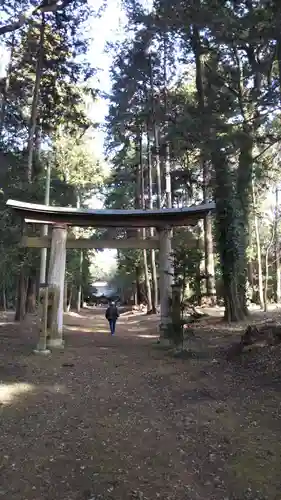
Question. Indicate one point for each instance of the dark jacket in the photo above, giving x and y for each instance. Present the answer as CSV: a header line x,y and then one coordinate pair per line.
x,y
112,313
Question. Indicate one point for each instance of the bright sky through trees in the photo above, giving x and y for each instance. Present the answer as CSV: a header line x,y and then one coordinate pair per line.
x,y
107,28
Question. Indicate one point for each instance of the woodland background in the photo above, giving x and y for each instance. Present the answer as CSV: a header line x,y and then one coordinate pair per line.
x,y
194,115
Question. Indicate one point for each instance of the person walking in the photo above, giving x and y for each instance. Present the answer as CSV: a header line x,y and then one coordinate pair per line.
x,y
112,315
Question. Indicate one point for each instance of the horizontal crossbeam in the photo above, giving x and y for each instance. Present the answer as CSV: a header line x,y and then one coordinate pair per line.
x,y
159,218
86,244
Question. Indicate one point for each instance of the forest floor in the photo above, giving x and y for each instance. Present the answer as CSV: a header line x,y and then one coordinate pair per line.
x,y
121,418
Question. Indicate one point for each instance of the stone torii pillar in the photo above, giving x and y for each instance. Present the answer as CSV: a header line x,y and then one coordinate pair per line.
x,y
166,277
56,277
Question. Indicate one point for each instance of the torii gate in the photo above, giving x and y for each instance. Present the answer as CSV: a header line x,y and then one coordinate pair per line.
x,y
60,218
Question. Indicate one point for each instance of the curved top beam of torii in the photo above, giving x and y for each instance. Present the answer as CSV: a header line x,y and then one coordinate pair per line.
x,y
45,214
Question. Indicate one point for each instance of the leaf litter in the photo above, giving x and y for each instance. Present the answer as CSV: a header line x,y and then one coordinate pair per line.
x,y
120,419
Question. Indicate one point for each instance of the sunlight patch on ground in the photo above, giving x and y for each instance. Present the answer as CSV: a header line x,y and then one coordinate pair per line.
x,y
11,391
128,322
137,329
147,336
133,314
4,323
83,329
76,328
74,314
8,392
56,388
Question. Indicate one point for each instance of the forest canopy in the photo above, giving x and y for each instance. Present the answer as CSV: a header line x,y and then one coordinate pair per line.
x,y
193,116
46,130
194,106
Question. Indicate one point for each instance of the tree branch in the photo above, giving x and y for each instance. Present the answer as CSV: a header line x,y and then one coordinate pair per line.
x,y
24,17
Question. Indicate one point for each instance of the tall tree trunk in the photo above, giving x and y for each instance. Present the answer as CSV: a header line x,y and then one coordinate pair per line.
x,y
35,98
251,120
37,151
262,294
70,298
266,268
167,164
208,231
44,228
166,260
138,285
258,250
228,235
150,205
266,274
6,87
22,301
244,195
277,249
168,188
135,294
21,295
251,276
142,203
198,288
277,36
209,258
31,295
4,296
65,296
147,280
79,288
157,165
156,138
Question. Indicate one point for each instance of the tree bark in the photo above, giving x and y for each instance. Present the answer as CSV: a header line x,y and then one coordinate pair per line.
x,y
208,230
21,295
266,268
138,285
258,249
249,106
228,236
4,297
277,250
156,139
6,87
65,296
166,256
147,280
79,288
31,295
24,290
141,184
150,205
209,258
251,276
24,17
69,299
35,98
243,190
44,228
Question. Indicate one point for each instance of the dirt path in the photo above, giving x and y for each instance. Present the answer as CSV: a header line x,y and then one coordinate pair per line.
x,y
119,418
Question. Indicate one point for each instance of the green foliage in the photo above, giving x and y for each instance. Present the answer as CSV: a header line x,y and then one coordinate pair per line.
x,y
73,274
221,112
61,135
187,266
202,77
75,164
